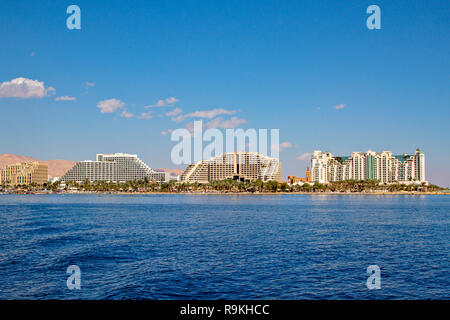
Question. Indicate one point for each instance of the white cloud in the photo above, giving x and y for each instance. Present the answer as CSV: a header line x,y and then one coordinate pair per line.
x,y
208,114
225,124
281,146
167,101
174,112
284,145
339,106
65,98
217,123
304,157
146,115
110,105
166,132
164,102
24,88
88,85
126,114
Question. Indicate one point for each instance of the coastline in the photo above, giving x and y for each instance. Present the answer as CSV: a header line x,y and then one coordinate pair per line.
x,y
282,193
418,193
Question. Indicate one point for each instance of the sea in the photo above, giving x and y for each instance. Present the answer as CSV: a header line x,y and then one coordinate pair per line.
x,y
184,246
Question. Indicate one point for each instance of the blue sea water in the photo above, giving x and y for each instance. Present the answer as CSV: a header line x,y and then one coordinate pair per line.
x,y
224,247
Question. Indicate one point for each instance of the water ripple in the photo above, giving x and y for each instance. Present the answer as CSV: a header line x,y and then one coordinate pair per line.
x,y
224,247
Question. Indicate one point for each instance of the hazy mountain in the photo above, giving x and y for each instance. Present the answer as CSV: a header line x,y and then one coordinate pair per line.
x,y
173,172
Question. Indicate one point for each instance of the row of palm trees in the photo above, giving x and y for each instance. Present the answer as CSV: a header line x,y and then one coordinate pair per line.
x,y
230,185
146,185
225,186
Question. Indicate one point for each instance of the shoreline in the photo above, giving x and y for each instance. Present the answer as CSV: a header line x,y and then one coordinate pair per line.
x,y
418,193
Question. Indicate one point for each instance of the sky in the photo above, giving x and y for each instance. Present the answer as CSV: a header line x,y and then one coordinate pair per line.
x,y
312,69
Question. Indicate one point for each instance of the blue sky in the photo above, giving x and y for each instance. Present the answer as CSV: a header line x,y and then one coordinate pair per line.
x,y
279,64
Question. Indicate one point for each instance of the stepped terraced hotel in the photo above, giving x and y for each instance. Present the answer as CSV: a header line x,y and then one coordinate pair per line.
x,y
117,167
242,166
381,166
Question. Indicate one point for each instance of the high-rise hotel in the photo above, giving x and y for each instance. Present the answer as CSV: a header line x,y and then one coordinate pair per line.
x,y
241,166
117,167
381,166
24,173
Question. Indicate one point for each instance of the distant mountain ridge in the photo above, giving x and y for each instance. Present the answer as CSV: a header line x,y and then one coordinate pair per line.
x,y
57,168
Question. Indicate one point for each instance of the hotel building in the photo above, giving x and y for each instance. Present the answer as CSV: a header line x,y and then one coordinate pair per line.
x,y
24,173
294,179
242,166
381,166
117,167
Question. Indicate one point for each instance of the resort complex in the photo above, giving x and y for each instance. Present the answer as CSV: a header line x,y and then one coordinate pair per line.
x,y
24,173
241,166
230,172
117,167
381,166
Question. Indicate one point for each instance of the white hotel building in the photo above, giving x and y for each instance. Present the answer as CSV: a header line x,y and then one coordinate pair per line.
x,y
240,165
381,166
117,167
